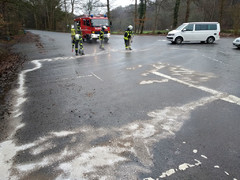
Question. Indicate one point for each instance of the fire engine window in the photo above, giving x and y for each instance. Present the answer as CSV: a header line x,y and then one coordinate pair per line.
x,y
99,22
88,22
84,22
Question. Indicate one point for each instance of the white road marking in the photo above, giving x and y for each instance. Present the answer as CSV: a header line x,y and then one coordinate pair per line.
x,y
226,173
184,49
78,77
133,68
203,156
223,52
96,76
223,96
213,59
153,81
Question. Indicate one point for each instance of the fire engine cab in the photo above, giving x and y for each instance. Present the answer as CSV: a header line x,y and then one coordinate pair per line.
x,y
91,27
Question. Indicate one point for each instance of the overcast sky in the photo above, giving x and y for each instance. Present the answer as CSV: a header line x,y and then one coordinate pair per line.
x,y
115,3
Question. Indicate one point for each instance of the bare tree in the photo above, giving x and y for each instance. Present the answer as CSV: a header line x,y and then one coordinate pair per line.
x,y
221,10
72,5
90,5
175,15
135,18
142,15
158,4
108,10
187,10
236,18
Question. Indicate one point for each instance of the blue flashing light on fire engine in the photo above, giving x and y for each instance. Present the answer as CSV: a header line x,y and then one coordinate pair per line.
x,y
91,15
105,15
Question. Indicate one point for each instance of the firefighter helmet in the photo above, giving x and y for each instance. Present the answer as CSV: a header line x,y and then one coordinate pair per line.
x,y
130,27
77,36
104,27
72,26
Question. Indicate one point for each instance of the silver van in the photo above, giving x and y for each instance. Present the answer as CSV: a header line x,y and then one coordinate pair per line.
x,y
195,32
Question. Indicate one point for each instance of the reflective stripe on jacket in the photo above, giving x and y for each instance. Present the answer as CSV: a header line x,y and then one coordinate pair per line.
x,y
73,32
127,34
101,35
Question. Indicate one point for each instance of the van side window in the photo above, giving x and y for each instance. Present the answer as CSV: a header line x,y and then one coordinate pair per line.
x,y
189,27
212,27
202,27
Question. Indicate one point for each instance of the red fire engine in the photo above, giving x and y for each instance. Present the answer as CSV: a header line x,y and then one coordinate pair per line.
x,y
91,26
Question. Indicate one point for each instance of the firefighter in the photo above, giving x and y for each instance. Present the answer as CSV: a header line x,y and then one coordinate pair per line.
x,y
128,35
101,37
78,28
78,41
73,32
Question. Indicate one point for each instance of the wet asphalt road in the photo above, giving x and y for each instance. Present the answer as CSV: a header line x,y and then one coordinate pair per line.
x,y
162,111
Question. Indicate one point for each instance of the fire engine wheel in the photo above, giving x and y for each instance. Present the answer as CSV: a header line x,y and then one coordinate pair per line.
x,y
88,38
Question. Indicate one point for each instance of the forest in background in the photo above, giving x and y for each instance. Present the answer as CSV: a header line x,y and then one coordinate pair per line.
x,y
144,15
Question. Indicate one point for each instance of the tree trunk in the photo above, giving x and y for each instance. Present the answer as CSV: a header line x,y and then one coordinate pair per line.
x,y
187,10
66,15
72,4
213,11
144,16
175,15
221,6
135,21
36,21
108,11
157,11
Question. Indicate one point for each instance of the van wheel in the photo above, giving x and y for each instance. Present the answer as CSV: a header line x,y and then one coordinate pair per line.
x,y
178,40
210,40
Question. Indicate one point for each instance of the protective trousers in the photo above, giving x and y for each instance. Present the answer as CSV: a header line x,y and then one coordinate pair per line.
x,y
79,42
128,43
101,43
101,38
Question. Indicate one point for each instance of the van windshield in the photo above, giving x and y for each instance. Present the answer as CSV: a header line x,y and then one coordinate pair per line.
x,y
182,26
99,22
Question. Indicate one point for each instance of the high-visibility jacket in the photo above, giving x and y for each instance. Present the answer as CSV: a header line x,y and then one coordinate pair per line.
x,y
127,34
78,29
101,36
78,40
73,32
